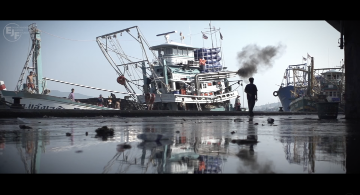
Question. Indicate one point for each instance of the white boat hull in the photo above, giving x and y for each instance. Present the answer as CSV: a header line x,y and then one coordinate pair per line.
x,y
169,98
39,101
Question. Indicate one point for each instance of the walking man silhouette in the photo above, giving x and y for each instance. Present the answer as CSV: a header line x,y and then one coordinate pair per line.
x,y
251,91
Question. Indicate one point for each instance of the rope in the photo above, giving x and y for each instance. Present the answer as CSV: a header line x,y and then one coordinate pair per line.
x,y
89,86
78,40
64,37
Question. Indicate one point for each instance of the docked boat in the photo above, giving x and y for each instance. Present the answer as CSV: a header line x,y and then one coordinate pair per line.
x,y
39,98
177,72
324,85
286,91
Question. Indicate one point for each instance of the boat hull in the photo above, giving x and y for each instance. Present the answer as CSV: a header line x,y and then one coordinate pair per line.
x,y
40,101
303,104
284,95
203,101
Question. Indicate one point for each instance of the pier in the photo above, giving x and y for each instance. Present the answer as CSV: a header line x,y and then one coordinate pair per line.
x,y
36,113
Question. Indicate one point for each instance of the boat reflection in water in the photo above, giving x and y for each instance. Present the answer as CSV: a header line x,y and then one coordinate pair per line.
x,y
208,151
206,146
30,144
305,151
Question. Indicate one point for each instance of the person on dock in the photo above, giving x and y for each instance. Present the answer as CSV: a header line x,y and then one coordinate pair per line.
x,y
30,81
113,99
100,100
117,104
251,91
71,95
237,103
109,102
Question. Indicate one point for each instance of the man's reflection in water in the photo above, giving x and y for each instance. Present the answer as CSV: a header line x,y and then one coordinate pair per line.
x,y
248,155
2,143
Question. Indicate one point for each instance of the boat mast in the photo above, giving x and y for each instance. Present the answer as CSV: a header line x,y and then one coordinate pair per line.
x,y
212,44
312,77
35,54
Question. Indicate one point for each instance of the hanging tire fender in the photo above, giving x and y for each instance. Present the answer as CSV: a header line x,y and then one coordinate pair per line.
x,y
275,93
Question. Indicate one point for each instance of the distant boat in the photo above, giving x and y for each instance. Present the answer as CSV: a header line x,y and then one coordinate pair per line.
x,y
40,98
325,84
285,93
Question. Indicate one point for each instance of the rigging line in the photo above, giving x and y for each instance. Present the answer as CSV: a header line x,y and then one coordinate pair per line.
x,y
64,37
28,47
123,53
115,50
108,57
147,44
152,71
136,72
121,50
132,36
114,66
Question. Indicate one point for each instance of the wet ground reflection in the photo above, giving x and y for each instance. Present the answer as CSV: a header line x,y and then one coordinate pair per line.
x,y
201,145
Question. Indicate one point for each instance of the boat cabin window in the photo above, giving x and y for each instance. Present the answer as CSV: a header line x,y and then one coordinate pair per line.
x,y
185,52
190,53
180,52
168,51
328,76
161,52
175,51
330,93
159,85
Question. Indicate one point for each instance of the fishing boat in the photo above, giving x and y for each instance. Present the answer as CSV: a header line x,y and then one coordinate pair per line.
x,y
162,76
290,82
39,98
312,86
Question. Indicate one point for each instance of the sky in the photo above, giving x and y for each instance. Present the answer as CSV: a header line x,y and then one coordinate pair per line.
x,y
70,52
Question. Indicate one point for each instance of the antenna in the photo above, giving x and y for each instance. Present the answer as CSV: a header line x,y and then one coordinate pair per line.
x,y
181,37
166,35
190,35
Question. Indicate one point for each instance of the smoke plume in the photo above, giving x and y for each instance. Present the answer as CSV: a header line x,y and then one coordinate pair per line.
x,y
252,58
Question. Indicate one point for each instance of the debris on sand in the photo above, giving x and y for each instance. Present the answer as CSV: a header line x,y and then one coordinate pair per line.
x,y
68,134
25,127
232,132
256,123
104,131
21,120
86,134
270,120
121,147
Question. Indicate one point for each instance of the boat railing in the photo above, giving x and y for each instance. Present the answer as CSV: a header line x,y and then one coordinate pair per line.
x,y
224,95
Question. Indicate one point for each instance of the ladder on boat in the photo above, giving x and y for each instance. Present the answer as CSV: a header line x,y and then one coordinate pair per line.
x,y
198,105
